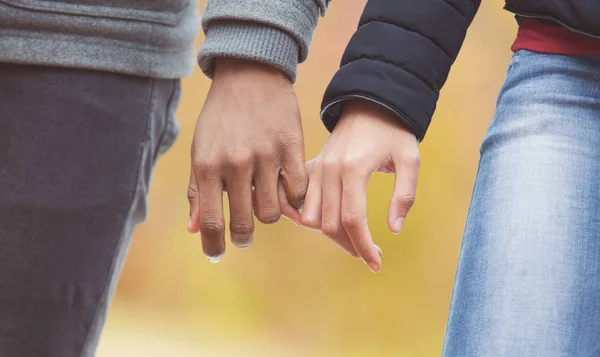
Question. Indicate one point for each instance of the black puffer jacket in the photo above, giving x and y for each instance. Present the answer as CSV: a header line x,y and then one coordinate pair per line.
x,y
402,52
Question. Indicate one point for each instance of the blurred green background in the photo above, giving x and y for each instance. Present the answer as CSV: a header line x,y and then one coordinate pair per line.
x,y
293,293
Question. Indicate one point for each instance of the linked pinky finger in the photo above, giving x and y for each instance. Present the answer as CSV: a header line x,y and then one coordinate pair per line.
x,y
289,211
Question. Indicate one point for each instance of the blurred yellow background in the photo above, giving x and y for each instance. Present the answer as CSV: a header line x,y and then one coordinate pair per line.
x,y
292,293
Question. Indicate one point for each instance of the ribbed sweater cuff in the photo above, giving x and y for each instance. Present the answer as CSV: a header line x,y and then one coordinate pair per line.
x,y
251,41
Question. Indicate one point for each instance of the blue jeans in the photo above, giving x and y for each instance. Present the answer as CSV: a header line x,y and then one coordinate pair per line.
x,y
528,278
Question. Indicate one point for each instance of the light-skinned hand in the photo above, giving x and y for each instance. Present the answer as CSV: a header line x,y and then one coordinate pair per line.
x,y
368,138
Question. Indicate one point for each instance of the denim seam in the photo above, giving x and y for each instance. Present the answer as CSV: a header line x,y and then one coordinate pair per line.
x,y
118,246
167,122
460,252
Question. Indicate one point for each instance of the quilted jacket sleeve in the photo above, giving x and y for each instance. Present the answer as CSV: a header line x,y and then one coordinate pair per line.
x,y
400,57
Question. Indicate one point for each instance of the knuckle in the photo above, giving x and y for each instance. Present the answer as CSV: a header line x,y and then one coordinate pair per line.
x,y
211,225
351,221
205,167
243,227
318,163
267,203
192,193
412,160
331,163
330,229
298,191
266,153
296,184
268,216
311,221
406,199
350,165
238,160
204,162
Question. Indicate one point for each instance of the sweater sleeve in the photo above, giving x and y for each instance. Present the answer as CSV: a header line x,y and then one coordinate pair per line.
x,y
274,32
400,58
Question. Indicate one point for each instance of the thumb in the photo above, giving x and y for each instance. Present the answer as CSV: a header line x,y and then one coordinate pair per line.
x,y
192,194
406,169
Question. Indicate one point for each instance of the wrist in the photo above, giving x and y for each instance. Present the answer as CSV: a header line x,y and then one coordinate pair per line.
x,y
234,70
365,110
361,107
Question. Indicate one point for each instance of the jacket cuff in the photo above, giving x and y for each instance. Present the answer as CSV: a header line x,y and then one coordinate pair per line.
x,y
405,95
250,41
332,112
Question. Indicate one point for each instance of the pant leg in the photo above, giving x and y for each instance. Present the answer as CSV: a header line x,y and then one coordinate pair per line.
x,y
76,152
528,278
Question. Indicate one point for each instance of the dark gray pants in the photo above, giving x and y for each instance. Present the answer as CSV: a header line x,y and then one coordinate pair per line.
x,y
76,153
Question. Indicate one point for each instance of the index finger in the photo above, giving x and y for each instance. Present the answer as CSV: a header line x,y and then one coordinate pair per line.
x,y
354,219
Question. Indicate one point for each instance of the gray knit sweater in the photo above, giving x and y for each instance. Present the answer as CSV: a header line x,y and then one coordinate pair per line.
x,y
156,38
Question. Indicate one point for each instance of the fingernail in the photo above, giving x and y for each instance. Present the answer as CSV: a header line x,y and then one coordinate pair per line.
x,y
190,225
398,225
374,267
241,241
301,207
215,259
379,251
